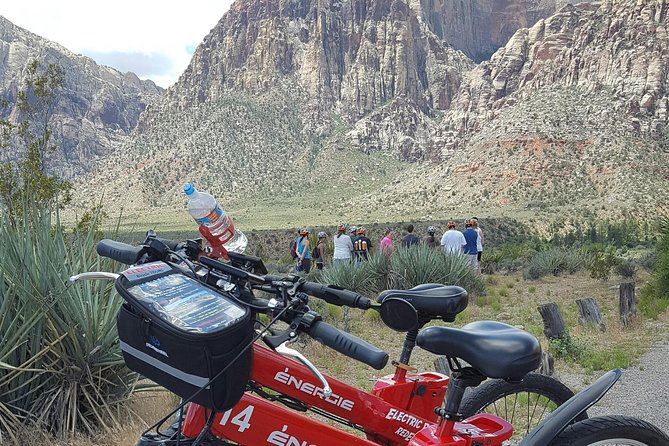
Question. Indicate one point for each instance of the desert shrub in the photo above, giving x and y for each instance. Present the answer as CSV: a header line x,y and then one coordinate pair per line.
x,y
648,261
602,260
567,347
651,305
509,257
555,261
352,276
626,268
60,364
378,266
662,268
421,264
406,268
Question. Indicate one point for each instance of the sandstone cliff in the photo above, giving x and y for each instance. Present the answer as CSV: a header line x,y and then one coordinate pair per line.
x,y
97,110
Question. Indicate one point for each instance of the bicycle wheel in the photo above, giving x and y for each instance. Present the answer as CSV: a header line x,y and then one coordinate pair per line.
x,y
524,404
615,430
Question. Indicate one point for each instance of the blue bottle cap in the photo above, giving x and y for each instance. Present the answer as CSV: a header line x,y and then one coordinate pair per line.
x,y
189,189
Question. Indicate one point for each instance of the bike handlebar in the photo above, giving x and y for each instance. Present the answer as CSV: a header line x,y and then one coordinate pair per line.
x,y
336,295
119,251
348,344
343,342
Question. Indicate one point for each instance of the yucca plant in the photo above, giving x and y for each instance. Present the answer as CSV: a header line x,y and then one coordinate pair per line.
x,y
352,276
60,365
421,264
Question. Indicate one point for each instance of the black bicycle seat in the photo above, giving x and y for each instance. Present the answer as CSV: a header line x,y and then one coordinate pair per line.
x,y
432,300
495,349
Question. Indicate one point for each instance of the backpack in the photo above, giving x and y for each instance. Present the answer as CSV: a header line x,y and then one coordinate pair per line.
x,y
315,253
293,248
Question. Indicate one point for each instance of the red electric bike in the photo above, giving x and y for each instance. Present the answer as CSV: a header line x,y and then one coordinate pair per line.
x,y
404,408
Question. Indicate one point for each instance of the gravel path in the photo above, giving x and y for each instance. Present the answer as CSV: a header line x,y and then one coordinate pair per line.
x,y
642,391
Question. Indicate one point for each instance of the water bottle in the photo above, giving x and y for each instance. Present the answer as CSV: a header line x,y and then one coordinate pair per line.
x,y
215,224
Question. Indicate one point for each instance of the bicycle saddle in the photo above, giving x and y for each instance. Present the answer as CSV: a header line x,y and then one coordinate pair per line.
x,y
432,300
495,349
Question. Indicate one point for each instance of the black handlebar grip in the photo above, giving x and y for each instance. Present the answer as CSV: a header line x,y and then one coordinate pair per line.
x,y
336,296
172,244
349,345
121,252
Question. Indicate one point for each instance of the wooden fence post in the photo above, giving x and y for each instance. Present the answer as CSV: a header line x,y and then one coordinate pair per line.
x,y
627,303
441,365
554,326
589,313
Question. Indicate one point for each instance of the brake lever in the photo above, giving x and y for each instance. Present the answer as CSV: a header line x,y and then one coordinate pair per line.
x,y
94,275
291,353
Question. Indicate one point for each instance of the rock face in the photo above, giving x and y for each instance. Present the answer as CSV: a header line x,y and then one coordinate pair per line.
x,y
573,108
479,27
97,110
619,46
349,58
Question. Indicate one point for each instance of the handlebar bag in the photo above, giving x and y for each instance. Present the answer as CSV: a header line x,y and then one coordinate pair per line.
x,y
181,333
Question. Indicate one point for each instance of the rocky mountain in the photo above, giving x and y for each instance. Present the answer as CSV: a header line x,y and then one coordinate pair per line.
x,y
97,111
580,100
374,110
479,27
327,82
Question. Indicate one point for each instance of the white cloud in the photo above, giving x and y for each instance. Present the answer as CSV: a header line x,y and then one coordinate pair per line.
x,y
154,39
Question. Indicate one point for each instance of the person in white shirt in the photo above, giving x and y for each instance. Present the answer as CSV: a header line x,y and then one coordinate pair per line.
x,y
342,246
452,240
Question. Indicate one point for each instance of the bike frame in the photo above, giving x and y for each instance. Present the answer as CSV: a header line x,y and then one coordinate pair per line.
x,y
399,407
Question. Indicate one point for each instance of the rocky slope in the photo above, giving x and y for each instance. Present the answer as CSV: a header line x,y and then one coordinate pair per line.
x,y
479,27
97,111
370,76
327,102
573,108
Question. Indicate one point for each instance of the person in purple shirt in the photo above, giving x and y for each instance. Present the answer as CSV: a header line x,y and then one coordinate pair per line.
x,y
471,248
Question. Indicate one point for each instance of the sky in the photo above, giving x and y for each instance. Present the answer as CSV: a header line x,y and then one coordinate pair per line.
x,y
154,39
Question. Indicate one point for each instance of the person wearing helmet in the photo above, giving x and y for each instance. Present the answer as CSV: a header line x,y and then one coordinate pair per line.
x,y
352,232
319,250
470,249
453,241
361,245
342,246
303,262
431,240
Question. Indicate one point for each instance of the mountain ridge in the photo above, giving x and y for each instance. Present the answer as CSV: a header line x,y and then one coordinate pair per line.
x,y
361,109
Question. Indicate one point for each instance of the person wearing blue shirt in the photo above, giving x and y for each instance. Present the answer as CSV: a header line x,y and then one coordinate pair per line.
x,y
471,248
303,261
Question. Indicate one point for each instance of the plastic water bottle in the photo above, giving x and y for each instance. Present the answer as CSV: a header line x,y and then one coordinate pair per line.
x,y
213,220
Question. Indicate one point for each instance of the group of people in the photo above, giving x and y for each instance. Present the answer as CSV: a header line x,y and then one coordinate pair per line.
x,y
356,245
469,241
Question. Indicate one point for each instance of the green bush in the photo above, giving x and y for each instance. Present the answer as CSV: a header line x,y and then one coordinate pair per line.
x,y
649,260
509,257
626,268
406,268
567,348
662,267
60,364
651,305
555,261
602,260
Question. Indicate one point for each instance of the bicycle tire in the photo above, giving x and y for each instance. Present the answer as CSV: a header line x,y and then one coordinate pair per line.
x,y
522,404
613,430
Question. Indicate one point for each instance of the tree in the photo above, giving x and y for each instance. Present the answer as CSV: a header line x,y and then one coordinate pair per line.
x,y
28,181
